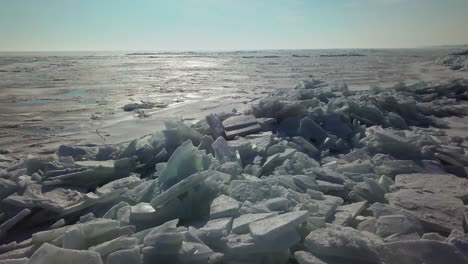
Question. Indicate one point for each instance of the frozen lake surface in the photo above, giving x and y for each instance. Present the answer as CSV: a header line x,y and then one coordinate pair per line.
x,y
48,99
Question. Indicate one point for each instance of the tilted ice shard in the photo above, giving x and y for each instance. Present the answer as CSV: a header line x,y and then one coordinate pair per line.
x,y
49,254
177,133
224,206
185,161
241,223
437,212
223,152
125,256
271,228
343,242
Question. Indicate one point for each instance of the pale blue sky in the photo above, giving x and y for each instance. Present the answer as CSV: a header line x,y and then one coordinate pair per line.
x,y
53,25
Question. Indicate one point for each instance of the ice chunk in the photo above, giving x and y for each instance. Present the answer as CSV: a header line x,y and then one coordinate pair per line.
x,y
119,243
198,192
15,261
241,125
177,133
402,237
328,175
298,164
19,252
314,222
143,215
338,124
74,238
420,251
87,217
112,212
446,184
460,240
143,192
327,206
241,224
385,183
236,245
239,121
270,228
59,223
242,249
105,166
261,141
217,129
305,182
106,153
364,167
245,149
277,204
309,130
185,161
49,254
243,131
231,168
142,210
223,152
46,197
343,242
168,227
370,190
177,189
216,229
316,195
396,224
369,225
304,257
49,235
125,256
163,243
128,182
196,253
276,160
8,224
325,186
384,141
99,227
346,214
91,173
129,150
252,191
123,214
224,206
7,188
267,107
434,236
75,152
437,212
306,145
205,144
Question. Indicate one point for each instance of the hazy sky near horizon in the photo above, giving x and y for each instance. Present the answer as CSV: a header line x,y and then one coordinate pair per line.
x,y
56,25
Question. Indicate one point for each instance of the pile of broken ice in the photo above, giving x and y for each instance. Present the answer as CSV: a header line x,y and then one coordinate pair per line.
x,y
455,61
315,174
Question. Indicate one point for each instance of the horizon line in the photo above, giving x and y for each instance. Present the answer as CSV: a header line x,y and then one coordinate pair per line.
x,y
240,50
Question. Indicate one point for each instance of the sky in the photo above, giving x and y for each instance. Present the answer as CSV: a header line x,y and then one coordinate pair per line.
x,y
175,25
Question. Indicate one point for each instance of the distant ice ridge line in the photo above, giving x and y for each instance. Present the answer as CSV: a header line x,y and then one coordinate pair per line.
x,y
314,174
457,61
